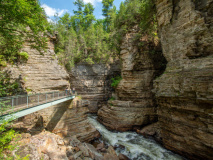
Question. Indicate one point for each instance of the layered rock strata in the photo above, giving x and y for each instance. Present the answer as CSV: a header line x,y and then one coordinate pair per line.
x,y
42,73
92,82
135,104
185,91
66,119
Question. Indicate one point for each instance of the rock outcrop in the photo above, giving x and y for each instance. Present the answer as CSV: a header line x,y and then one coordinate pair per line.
x,y
40,73
92,82
47,146
135,105
66,119
185,91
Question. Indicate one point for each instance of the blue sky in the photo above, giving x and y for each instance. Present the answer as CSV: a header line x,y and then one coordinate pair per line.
x,y
62,6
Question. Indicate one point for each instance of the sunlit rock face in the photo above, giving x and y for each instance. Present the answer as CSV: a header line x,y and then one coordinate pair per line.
x,y
185,91
93,82
42,73
66,119
135,104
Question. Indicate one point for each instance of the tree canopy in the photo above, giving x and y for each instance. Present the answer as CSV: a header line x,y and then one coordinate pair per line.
x,y
21,21
81,37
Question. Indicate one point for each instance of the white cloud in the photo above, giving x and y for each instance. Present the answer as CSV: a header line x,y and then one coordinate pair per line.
x,y
92,1
53,11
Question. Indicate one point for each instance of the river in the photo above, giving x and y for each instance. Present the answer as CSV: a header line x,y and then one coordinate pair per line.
x,y
136,147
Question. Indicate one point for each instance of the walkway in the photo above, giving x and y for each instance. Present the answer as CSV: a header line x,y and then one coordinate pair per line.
x,y
21,105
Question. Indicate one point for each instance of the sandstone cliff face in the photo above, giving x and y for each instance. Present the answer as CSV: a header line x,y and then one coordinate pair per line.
x,y
185,91
135,105
42,73
66,119
92,82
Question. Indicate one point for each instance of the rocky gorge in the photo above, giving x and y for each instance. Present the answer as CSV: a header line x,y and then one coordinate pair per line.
x,y
166,91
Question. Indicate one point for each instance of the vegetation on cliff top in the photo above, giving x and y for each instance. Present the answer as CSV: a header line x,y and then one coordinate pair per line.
x,y
82,38
21,21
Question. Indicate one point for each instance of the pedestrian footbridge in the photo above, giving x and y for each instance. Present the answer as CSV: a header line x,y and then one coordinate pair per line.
x,y
21,105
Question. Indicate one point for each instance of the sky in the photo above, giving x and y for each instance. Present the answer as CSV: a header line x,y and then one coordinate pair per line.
x,y
52,7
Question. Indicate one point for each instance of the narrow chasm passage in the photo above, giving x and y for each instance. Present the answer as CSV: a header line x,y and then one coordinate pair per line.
x,y
133,145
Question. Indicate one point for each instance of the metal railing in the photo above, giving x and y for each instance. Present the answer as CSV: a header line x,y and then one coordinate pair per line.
x,y
16,103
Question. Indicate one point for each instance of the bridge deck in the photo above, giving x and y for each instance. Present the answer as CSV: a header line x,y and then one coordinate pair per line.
x,y
21,105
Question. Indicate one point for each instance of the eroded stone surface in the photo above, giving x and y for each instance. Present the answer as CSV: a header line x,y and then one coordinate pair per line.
x,y
40,73
92,82
49,146
135,104
65,119
185,91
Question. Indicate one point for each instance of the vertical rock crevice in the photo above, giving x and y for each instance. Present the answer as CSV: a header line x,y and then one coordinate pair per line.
x,y
135,106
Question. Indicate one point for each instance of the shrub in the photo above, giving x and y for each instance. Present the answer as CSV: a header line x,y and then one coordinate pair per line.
x,y
112,99
7,87
115,81
23,56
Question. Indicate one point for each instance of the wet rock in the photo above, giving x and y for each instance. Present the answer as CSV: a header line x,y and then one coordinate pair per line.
x,y
122,157
108,156
151,130
111,151
100,146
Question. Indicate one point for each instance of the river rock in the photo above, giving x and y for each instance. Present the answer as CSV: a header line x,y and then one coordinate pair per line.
x,y
108,156
94,154
122,157
151,130
185,91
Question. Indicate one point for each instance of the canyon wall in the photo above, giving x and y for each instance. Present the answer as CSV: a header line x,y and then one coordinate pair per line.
x,y
93,82
42,73
134,105
185,91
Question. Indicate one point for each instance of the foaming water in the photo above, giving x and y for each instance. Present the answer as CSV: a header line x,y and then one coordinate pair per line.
x,y
136,146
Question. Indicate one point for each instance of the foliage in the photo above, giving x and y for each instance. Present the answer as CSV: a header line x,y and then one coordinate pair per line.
x,y
23,56
115,81
141,13
7,87
107,5
112,99
21,21
6,136
82,38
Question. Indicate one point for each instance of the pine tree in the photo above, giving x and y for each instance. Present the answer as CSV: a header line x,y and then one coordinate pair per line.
x,y
107,5
89,18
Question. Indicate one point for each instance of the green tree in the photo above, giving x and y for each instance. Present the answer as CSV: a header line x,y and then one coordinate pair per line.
x,y
107,5
89,18
21,21
80,5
